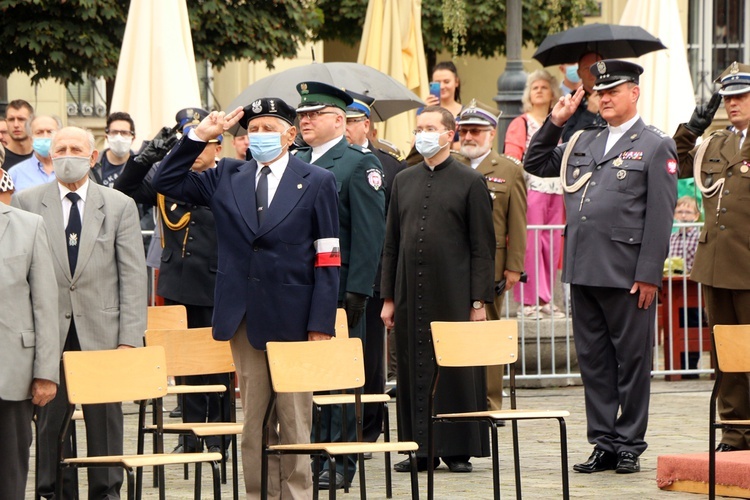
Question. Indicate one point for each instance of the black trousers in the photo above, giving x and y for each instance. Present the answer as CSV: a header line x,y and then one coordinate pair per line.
x,y
372,419
15,440
206,407
104,436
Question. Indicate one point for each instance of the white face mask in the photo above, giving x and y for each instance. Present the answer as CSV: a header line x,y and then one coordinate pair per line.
x,y
70,169
428,143
119,145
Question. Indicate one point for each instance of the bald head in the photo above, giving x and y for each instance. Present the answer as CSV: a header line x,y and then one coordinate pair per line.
x,y
73,141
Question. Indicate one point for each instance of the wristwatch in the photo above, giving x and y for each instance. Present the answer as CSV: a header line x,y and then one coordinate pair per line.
x,y
477,304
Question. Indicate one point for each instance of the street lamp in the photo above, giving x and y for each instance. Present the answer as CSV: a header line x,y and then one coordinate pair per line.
x,y
511,83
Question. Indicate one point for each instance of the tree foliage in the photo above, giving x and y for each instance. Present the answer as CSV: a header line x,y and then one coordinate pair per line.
x,y
343,20
67,39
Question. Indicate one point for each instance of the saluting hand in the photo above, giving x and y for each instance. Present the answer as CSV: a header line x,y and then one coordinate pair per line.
x,y
216,123
566,106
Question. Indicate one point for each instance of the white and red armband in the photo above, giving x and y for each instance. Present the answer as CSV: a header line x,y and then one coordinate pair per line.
x,y
327,252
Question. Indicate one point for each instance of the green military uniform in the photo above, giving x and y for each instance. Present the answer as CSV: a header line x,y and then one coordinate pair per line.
x,y
359,180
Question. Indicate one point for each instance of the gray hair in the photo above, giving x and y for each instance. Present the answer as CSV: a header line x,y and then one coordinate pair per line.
x,y
29,123
89,136
540,74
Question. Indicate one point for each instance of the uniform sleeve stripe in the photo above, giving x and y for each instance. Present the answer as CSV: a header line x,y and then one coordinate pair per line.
x,y
327,252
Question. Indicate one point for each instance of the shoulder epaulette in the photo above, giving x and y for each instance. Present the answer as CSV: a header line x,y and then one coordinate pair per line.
x,y
391,153
512,158
656,130
359,149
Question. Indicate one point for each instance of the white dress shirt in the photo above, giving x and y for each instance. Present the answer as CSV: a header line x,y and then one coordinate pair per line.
x,y
616,132
274,178
67,204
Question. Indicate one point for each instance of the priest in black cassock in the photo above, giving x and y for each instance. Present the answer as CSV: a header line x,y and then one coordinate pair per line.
x,y
438,265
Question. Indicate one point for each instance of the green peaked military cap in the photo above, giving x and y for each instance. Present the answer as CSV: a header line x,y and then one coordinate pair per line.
x,y
318,95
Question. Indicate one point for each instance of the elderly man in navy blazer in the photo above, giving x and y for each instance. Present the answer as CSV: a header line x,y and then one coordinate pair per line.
x,y
277,228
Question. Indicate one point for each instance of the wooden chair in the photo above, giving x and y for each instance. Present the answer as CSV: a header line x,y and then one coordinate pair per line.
x,y
193,351
732,345
320,400
114,376
166,317
479,344
325,366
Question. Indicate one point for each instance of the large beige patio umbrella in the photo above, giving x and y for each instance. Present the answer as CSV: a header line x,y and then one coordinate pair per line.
x,y
667,97
392,43
156,75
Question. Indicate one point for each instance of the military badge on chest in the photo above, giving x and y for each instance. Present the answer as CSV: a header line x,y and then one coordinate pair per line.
x,y
73,240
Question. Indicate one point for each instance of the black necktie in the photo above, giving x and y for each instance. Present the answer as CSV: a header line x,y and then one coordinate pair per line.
x,y
261,193
73,231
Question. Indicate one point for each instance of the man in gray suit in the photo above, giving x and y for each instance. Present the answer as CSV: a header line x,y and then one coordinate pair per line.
x,y
620,184
100,268
28,328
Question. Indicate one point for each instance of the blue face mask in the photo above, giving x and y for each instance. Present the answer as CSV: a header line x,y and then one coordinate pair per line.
x,y
571,74
265,146
41,145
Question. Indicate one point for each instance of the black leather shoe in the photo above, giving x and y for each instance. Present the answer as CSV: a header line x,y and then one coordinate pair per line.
x,y
627,463
726,447
217,449
599,461
323,481
405,466
176,413
459,465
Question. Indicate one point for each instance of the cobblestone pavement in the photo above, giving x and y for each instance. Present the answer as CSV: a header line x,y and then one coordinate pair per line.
x,y
678,424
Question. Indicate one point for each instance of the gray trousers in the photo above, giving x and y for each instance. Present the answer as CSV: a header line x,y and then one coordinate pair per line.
x,y
614,341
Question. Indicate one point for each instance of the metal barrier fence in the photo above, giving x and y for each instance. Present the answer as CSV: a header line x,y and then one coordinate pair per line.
x,y
547,351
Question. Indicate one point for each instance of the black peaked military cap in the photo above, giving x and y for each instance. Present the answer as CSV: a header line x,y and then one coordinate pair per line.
x,y
610,73
189,117
268,106
360,106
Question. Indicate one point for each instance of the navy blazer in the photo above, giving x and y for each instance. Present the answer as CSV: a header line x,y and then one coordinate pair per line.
x,y
268,273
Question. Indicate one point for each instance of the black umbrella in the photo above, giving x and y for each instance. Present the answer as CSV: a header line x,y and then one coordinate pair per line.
x,y
612,41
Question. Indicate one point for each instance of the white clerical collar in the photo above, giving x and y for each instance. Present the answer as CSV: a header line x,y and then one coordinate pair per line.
x,y
318,151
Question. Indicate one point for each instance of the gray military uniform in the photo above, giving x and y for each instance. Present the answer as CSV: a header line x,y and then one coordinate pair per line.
x,y
617,233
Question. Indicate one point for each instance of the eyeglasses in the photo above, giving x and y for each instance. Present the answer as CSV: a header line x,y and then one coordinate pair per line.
x,y
428,130
121,133
684,212
313,115
472,131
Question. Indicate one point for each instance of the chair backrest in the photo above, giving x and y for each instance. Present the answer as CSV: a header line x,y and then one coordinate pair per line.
x,y
342,324
166,317
732,344
324,365
475,343
117,375
192,351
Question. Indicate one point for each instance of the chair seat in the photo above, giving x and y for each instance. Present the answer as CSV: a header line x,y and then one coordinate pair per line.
x,y
349,448
146,460
217,429
340,399
195,389
214,428
733,422
508,414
